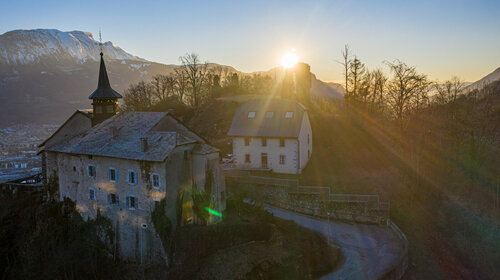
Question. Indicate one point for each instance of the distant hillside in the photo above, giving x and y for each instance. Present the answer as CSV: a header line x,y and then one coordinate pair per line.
x,y
493,76
46,74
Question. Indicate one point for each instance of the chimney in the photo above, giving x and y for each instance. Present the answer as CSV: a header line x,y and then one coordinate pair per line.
x,y
114,131
144,144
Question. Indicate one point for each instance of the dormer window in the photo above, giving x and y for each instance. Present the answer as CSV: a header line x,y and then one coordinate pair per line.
x,y
269,115
251,115
289,115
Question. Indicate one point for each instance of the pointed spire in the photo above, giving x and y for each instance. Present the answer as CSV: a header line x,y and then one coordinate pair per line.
x,y
104,90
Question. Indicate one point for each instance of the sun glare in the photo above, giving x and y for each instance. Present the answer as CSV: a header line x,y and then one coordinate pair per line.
x,y
289,59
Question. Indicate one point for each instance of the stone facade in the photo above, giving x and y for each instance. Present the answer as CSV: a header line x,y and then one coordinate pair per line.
x,y
136,239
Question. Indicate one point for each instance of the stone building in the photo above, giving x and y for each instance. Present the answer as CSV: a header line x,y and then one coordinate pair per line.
x,y
271,134
123,164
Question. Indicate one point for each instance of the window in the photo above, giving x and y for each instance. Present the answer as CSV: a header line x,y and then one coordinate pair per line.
x,y
251,115
247,158
110,109
132,202
247,141
113,199
155,180
98,109
132,177
289,115
74,168
269,115
92,195
282,159
112,174
282,142
91,170
264,141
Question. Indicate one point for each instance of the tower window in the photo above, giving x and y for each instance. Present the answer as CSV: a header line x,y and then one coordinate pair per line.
x,y
282,159
110,109
251,115
98,109
247,158
247,141
289,115
282,142
264,141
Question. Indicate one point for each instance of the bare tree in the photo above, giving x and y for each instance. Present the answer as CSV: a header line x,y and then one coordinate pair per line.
x,y
403,86
138,97
181,84
379,84
159,87
356,72
196,73
449,91
346,63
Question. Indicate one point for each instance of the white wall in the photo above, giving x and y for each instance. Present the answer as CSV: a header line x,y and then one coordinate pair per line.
x,y
305,131
273,150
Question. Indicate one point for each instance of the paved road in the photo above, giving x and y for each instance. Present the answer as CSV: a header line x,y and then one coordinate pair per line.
x,y
369,250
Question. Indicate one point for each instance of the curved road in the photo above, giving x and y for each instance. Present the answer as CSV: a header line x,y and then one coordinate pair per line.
x,y
370,250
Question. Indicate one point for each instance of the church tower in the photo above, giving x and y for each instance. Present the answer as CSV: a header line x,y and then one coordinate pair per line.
x,y
104,98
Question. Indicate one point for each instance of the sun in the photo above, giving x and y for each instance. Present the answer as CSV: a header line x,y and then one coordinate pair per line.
x,y
289,59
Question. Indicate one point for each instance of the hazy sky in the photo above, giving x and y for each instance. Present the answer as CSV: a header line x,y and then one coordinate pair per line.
x,y
441,38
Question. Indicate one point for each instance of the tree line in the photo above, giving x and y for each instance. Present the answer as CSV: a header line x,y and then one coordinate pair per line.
x,y
192,84
400,92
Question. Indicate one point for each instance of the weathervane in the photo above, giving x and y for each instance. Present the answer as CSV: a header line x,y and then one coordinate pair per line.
x,y
100,40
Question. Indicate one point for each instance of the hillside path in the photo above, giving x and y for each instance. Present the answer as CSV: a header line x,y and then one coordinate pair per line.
x,y
369,250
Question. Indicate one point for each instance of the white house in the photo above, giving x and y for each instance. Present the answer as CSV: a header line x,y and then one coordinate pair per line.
x,y
123,164
271,134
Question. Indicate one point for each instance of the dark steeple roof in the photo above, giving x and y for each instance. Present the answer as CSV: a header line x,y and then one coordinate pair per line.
x,y
104,90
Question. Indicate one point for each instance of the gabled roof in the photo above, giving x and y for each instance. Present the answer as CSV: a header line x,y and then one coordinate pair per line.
x,y
128,129
260,126
86,112
104,90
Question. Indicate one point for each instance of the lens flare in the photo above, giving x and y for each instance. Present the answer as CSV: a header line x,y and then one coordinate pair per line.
x,y
289,59
213,212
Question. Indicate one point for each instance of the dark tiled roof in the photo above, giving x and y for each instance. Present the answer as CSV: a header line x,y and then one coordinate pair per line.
x,y
260,126
104,90
129,128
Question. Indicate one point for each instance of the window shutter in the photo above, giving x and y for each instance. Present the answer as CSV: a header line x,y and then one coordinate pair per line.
x,y
128,201
88,195
109,174
136,203
128,177
136,179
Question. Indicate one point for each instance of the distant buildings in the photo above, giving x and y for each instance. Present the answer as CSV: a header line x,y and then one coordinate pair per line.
x,y
124,164
271,134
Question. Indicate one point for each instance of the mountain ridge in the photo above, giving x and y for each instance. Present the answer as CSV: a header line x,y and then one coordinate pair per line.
x,y
45,74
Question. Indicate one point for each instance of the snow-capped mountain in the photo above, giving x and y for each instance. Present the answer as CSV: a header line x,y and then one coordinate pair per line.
x,y
46,74
493,76
33,46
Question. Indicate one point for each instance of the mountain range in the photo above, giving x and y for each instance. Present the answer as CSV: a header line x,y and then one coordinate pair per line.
x,y
45,74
